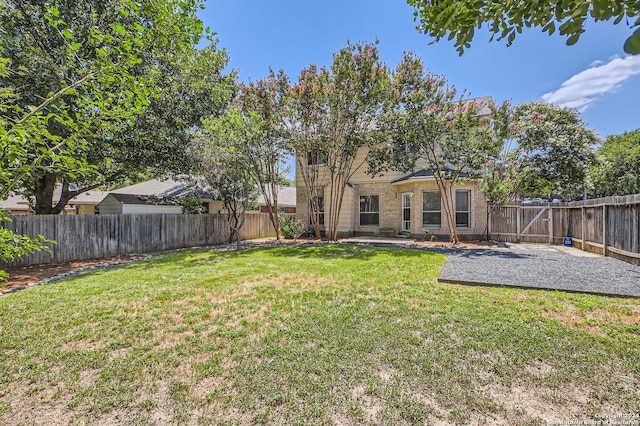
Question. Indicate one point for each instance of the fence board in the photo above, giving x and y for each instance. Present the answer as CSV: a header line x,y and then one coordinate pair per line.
x,y
83,237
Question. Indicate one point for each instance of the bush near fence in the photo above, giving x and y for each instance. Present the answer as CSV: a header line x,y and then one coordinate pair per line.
x,y
84,237
608,226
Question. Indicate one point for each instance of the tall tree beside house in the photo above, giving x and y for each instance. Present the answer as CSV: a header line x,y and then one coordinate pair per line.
x,y
617,168
459,19
305,111
432,127
344,101
126,57
263,107
221,161
554,149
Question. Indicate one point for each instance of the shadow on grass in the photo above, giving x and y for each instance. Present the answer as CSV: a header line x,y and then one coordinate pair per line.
x,y
305,251
479,253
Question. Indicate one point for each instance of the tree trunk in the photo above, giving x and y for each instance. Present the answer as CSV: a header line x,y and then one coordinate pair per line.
x,y
43,191
238,240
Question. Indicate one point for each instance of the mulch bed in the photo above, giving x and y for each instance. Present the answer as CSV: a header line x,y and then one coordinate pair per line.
x,y
28,276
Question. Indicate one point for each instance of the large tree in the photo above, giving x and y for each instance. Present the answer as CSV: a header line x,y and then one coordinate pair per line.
x,y
553,149
617,169
221,161
432,127
138,97
459,19
262,105
343,103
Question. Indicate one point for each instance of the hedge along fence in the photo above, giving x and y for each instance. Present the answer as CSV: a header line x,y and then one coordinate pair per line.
x,y
608,226
84,237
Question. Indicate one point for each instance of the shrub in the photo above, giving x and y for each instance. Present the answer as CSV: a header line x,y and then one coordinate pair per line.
x,y
291,228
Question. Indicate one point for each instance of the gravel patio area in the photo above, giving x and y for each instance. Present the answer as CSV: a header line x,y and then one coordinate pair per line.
x,y
533,266
542,267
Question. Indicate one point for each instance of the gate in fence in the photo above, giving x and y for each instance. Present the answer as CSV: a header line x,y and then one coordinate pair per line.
x,y
608,226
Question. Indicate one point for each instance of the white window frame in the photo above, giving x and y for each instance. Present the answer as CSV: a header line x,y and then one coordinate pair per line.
x,y
459,211
431,225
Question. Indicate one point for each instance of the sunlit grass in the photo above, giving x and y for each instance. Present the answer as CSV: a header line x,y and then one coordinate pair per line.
x,y
310,335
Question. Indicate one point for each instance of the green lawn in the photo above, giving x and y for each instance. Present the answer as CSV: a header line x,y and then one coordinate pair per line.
x,y
325,334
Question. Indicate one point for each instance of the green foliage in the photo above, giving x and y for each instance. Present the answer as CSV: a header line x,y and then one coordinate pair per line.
x,y
192,205
14,246
220,158
499,176
554,149
292,228
123,83
263,106
429,127
459,19
335,111
617,169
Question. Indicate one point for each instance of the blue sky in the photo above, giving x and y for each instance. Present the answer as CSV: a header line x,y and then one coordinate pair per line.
x,y
594,75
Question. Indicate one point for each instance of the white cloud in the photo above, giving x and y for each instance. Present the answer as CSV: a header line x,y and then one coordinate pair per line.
x,y
584,88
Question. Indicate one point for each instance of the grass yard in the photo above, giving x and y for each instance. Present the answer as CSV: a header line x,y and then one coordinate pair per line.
x,y
325,334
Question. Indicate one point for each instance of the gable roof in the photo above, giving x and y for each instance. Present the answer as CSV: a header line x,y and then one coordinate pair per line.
x,y
423,174
165,188
144,199
286,197
92,197
15,203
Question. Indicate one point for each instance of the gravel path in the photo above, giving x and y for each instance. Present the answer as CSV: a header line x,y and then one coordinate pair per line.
x,y
540,266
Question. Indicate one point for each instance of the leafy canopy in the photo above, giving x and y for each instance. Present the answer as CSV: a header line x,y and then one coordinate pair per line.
x,y
617,169
459,19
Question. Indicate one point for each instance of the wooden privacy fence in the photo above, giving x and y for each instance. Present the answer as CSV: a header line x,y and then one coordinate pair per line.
x,y
83,237
608,226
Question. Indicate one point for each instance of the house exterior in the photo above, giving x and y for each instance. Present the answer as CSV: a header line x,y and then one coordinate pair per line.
x,y
398,203
286,200
87,202
138,204
172,190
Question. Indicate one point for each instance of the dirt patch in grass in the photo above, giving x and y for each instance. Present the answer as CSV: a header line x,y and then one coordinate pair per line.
x,y
26,276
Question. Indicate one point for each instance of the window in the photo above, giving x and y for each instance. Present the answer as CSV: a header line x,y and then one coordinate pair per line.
x,y
319,213
369,210
431,209
315,158
462,208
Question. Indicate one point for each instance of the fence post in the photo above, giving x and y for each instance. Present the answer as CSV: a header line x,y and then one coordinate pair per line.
x,y
490,211
551,226
582,236
517,224
604,229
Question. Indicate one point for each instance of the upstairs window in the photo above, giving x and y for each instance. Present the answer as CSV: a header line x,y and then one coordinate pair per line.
x,y
315,158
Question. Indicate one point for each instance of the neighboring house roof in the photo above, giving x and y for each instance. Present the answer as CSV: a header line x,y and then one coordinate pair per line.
x,y
166,188
422,174
144,199
15,203
92,197
286,197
